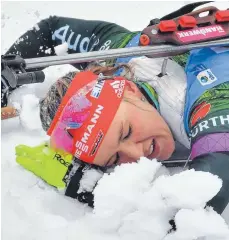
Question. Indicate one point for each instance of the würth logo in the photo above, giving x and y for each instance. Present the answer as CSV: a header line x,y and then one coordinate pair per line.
x,y
118,87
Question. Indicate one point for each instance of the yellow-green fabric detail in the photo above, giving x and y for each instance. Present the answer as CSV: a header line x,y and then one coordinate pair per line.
x,y
49,164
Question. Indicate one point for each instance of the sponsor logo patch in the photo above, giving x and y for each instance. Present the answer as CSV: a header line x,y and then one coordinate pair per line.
x,y
97,142
118,87
59,158
97,89
209,124
201,33
200,113
206,77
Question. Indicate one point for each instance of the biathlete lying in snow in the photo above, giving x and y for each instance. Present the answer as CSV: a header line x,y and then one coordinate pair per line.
x,y
133,109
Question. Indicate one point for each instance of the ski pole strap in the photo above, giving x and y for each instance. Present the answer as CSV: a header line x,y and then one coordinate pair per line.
x,y
184,10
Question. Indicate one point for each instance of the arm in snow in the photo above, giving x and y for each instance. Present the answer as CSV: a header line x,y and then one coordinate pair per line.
x,y
80,35
81,179
61,170
36,40
218,164
209,124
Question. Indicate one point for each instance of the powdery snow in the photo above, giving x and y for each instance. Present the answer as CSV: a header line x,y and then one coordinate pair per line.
x,y
61,49
29,115
136,205
135,201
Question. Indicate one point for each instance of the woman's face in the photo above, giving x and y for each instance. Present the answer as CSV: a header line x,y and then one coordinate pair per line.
x,y
137,130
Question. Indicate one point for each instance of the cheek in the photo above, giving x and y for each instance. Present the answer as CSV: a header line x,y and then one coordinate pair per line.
x,y
109,145
141,119
147,123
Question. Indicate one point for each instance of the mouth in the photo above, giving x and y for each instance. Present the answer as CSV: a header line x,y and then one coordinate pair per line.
x,y
152,148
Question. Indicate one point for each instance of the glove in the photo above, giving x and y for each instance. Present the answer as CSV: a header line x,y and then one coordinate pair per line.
x,y
45,162
61,170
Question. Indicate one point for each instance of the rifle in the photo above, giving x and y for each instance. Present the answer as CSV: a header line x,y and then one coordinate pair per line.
x,y
164,39
14,67
13,75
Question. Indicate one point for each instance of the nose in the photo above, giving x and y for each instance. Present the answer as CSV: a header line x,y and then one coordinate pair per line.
x,y
130,152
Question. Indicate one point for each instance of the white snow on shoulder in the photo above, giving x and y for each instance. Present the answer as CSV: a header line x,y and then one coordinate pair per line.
x,y
48,51
61,49
196,189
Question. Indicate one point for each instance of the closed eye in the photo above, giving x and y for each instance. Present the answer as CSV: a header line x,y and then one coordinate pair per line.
x,y
129,133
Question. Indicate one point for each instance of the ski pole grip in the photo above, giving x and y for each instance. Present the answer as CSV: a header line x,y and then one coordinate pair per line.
x,y
30,77
9,112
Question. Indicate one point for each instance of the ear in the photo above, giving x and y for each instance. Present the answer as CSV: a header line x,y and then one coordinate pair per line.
x,y
132,88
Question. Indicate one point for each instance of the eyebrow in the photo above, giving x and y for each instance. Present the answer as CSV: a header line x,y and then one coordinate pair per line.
x,y
119,140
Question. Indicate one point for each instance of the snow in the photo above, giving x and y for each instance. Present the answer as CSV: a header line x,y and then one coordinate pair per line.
x,y
137,203
29,115
137,200
213,227
89,179
61,49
